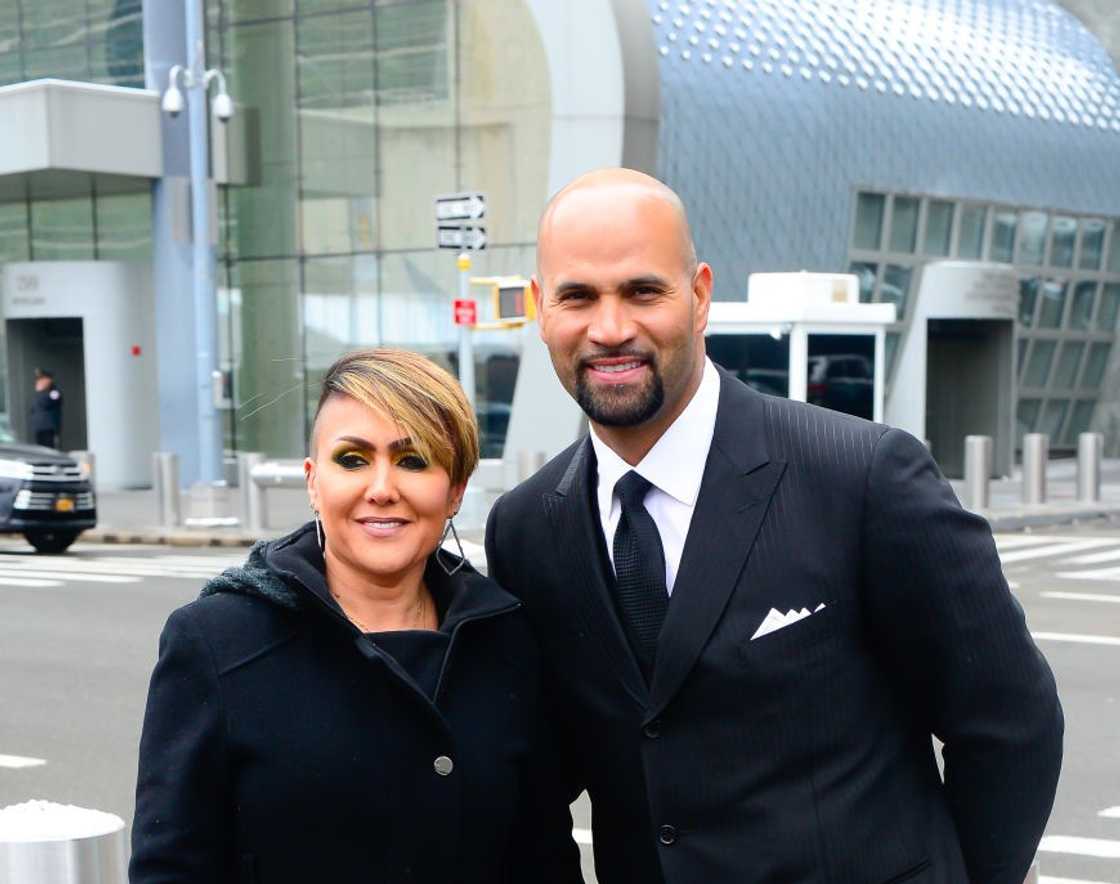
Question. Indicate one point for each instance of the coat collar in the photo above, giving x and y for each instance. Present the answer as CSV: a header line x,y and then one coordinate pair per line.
x,y
290,572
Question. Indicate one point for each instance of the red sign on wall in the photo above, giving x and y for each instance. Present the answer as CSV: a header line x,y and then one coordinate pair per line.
x,y
466,312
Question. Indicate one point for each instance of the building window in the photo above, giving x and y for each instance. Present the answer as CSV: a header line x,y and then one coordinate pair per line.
x,y
1065,376
1092,244
1081,311
1032,239
1003,235
1114,249
1080,420
1053,416
1110,306
904,224
1038,365
1053,303
869,221
971,244
939,227
867,273
896,287
1095,365
1062,240
1027,415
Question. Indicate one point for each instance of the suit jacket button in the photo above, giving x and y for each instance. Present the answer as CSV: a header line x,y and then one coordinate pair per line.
x,y
667,834
443,765
653,729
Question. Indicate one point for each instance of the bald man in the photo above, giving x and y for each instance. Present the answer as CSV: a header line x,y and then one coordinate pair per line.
x,y
758,613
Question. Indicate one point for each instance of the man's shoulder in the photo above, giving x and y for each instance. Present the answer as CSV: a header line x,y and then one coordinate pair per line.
x,y
546,479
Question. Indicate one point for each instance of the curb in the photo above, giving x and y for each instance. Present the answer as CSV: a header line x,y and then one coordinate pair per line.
x,y
1029,521
183,538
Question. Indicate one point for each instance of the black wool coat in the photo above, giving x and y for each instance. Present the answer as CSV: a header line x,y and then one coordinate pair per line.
x,y
281,746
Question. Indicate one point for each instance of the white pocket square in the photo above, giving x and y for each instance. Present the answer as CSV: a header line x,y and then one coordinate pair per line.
x,y
776,620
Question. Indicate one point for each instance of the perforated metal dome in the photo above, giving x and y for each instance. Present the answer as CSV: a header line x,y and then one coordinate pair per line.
x,y
787,105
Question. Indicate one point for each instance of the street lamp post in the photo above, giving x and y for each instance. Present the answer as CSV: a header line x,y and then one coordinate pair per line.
x,y
196,80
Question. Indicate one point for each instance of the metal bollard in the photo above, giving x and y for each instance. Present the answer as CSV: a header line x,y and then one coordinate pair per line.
x,y
528,462
1036,458
1089,449
46,843
977,471
86,463
165,478
252,495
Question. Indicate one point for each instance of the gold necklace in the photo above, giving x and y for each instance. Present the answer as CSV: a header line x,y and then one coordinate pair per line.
x,y
418,614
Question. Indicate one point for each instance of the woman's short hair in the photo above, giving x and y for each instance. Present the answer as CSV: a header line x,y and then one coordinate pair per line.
x,y
416,394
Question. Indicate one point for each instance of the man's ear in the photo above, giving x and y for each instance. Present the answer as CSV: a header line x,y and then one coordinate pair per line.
x,y
538,300
702,291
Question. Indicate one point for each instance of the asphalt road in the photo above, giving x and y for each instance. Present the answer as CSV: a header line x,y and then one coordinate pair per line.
x,y
78,638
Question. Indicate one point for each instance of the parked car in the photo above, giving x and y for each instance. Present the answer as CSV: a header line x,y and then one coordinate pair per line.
x,y
43,495
843,382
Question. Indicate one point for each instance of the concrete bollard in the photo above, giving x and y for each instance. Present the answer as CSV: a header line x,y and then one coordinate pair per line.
x,y
1090,446
252,495
46,843
1036,458
977,471
165,479
86,463
528,462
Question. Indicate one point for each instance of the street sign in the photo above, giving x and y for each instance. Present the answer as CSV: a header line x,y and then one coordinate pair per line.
x,y
462,237
466,311
460,207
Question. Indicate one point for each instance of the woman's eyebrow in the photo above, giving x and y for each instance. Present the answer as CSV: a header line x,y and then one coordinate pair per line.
x,y
405,442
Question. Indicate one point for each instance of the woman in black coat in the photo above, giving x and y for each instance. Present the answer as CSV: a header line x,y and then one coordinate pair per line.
x,y
354,704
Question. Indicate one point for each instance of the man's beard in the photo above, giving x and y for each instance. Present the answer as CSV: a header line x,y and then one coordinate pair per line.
x,y
622,405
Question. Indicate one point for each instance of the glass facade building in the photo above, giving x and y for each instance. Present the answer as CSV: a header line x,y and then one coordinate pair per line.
x,y
827,135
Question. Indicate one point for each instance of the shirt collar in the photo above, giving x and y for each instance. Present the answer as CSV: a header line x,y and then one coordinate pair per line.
x,y
676,462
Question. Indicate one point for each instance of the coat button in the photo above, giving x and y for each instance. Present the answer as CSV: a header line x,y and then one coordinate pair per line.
x,y
443,765
653,729
667,834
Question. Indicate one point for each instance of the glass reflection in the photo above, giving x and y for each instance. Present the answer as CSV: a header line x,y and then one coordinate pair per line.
x,y
866,273
1095,364
896,287
1081,310
62,230
841,373
1032,240
971,240
1065,375
1038,364
939,227
1026,416
1092,245
869,221
1052,418
1110,307
1062,241
1053,303
1080,419
1028,297
1004,223
760,361
1114,249
904,224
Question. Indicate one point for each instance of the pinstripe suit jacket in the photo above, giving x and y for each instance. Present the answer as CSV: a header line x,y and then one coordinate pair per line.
x,y
804,755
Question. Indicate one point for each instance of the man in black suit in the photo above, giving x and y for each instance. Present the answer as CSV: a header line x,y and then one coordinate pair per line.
x,y
758,613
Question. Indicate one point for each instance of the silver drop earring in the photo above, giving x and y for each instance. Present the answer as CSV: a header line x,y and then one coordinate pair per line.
x,y
318,529
450,529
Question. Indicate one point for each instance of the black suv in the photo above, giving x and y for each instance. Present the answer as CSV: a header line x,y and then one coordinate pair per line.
x,y
43,495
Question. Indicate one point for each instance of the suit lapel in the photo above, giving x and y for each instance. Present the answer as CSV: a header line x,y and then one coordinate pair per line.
x,y
739,481
570,512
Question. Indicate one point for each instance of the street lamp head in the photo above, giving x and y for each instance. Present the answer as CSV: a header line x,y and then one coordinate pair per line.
x,y
223,107
172,103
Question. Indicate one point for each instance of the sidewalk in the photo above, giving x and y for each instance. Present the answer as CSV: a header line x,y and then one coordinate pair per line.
x,y
132,516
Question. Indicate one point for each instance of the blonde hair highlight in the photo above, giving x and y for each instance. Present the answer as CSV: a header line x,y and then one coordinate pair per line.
x,y
416,394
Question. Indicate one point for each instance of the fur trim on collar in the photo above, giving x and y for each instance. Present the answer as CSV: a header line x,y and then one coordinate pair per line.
x,y
255,578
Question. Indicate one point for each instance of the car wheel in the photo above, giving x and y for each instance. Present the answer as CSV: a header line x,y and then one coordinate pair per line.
x,y
51,542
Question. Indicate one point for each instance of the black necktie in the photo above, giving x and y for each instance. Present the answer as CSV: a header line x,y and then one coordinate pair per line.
x,y
639,567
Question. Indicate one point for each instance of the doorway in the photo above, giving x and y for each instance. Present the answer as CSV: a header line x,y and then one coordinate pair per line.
x,y
969,390
57,345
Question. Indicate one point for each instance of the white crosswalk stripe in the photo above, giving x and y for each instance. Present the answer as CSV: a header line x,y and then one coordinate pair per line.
x,y
25,570
1053,550
1070,554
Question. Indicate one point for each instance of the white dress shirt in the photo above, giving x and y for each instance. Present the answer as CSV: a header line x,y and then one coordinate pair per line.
x,y
674,466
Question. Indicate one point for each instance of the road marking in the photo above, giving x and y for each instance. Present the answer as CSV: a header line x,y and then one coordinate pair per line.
x,y
1109,555
1057,549
1095,574
12,581
1078,639
1046,879
1082,596
1111,813
67,575
1098,847
581,836
1011,541
18,761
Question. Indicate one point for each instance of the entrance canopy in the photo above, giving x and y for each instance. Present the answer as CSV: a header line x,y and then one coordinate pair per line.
x,y
62,134
808,337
